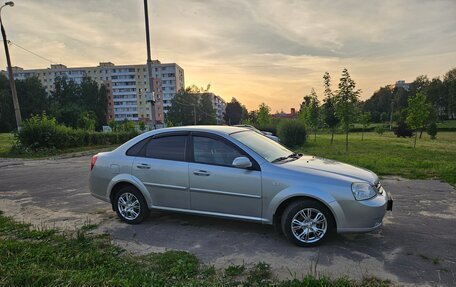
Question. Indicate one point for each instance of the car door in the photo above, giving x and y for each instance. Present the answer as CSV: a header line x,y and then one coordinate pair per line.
x,y
163,169
215,185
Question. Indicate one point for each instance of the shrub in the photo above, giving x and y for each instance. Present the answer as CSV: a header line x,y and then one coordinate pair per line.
x,y
432,130
292,133
379,130
267,128
403,130
42,132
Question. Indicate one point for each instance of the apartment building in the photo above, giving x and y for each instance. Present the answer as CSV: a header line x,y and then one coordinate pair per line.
x,y
127,85
219,105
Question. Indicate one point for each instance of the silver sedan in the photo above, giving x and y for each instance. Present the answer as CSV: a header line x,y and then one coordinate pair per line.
x,y
236,173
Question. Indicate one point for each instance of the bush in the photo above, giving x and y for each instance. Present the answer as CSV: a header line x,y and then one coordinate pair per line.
x,y
292,133
432,130
379,130
272,128
403,130
42,132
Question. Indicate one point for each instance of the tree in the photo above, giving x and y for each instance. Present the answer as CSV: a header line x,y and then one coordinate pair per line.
x,y
32,98
206,112
417,113
328,109
345,102
233,112
87,121
183,108
310,112
192,106
263,116
432,130
69,100
94,98
449,81
365,119
7,119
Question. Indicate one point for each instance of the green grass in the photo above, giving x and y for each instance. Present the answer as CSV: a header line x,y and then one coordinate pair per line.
x,y
7,151
30,257
6,142
388,155
447,124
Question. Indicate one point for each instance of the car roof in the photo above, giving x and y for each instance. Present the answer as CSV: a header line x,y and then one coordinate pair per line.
x,y
212,129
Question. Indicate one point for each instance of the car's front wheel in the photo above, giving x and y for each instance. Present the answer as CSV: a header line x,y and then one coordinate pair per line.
x,y
307,223
130,205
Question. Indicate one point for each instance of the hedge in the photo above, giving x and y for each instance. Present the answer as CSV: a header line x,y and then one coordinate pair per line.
x,y
43,132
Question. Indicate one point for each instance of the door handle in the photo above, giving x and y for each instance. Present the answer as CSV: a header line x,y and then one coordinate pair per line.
x,y
201,173
143,166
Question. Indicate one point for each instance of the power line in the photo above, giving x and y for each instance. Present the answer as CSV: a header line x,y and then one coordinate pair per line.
x,y
31,52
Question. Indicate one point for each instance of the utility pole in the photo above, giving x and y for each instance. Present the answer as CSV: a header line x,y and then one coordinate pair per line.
x,y
149,67
17,110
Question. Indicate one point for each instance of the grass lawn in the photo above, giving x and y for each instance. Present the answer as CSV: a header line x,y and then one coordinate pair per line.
x,y
30,257
7,141
388,155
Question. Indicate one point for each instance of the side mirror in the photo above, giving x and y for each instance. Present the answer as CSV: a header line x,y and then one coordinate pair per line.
x,y
242,162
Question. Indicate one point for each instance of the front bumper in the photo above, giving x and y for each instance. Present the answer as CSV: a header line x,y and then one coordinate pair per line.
x,y
366,215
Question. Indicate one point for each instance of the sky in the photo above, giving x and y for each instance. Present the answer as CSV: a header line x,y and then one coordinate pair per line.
x,y
254,50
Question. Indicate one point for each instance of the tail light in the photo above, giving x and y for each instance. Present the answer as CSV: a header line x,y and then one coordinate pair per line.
x,y
94,160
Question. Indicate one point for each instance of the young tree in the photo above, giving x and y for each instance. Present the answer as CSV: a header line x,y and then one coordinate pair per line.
x,y
233,112
417,113
365,119
345,102
432,130
263,116
310,112
328,109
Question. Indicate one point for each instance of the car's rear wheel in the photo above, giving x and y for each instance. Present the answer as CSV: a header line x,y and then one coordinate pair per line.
x,y
307,223
130,205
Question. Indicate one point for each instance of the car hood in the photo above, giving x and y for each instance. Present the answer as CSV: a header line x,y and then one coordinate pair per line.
x,y
331,167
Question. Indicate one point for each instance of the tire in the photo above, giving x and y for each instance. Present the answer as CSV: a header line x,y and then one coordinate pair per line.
x,y
305,232
130,205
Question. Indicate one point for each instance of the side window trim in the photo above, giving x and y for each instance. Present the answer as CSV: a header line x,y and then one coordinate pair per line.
x,y
255,165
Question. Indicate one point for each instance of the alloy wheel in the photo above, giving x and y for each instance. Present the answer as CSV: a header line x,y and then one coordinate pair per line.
x,y
129,206
309,225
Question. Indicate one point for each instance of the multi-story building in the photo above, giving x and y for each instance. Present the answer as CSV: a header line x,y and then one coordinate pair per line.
x,y
219,105
127,85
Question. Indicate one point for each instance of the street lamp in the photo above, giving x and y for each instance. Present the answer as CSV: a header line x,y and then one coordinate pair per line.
x,y
17,111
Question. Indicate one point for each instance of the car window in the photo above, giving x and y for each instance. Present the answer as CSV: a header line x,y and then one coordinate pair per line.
x,y
212,151
170,148
263,146
137,149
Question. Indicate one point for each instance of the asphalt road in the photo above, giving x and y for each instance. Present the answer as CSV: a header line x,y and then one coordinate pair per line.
x,y
416,245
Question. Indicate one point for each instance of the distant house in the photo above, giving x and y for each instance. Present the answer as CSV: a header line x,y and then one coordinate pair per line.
x,y
282,115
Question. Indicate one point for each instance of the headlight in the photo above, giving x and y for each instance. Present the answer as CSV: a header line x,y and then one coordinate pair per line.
x,y
363,191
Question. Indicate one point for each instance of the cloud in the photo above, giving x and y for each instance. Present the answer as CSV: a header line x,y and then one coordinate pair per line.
x,y
254,50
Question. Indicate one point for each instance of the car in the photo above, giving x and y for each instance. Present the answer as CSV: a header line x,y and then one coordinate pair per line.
x,y
236,173
267,134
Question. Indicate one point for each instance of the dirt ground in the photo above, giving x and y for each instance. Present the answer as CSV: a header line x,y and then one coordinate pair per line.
x,y
416,246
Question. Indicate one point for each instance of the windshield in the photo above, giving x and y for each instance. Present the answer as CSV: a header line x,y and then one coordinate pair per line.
x,y
265,147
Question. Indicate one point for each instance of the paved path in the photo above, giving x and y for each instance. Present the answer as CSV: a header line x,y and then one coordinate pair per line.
x,y
416,246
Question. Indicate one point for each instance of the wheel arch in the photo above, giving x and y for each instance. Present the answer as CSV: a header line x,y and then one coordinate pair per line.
x,y
120,181
277,216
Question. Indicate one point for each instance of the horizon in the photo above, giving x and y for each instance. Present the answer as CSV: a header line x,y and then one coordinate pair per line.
x,y
246,50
